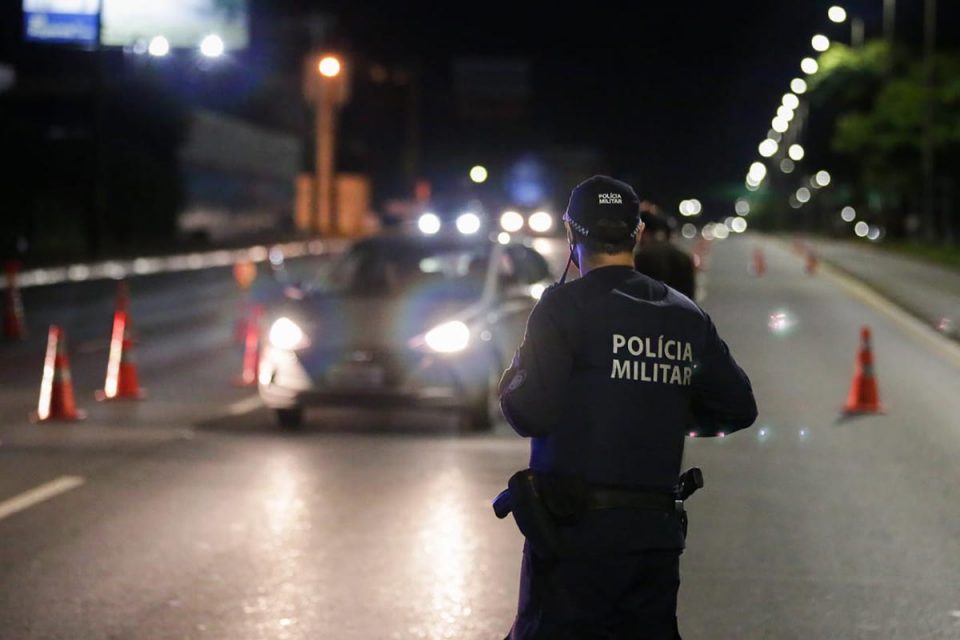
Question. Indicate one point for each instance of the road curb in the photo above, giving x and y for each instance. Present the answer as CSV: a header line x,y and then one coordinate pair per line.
x,y
945,345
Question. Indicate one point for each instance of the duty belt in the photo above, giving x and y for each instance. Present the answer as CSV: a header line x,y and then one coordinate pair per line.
x,y
598,498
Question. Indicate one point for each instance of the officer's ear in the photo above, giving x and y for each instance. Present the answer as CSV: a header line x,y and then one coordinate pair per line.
x,y
640,231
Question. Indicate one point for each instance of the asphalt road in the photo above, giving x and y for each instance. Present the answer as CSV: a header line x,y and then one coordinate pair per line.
x,y
188,515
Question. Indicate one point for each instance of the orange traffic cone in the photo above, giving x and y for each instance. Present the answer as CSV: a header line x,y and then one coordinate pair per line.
x,y
251,349
759,262
13,325
812,262
863,397
56,390
122,379
123,296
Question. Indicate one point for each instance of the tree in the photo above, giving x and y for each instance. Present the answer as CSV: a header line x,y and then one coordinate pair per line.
x,y
877,106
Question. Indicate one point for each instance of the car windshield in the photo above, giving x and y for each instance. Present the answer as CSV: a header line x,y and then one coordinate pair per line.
x,y
382,268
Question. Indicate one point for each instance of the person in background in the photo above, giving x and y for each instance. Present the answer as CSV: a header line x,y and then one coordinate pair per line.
x,y
658,257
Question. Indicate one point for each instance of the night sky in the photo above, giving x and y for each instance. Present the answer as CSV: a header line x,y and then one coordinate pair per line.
x,y
676,95
673,96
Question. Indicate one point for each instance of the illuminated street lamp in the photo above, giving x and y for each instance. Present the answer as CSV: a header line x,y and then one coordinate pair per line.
x,y
780,125
212,46
785,112
329,66
820,42
768,147
809,66
690,207
798,86
790,101
478,174
795,152
837,14
822,178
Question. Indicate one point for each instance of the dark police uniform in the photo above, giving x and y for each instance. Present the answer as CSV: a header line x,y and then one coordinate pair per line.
x,y
664,261
614,370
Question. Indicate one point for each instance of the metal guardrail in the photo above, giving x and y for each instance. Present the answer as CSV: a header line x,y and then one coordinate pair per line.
x,y
119,269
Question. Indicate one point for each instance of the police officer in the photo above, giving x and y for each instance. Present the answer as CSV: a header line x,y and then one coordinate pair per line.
x,y
656,256
615,368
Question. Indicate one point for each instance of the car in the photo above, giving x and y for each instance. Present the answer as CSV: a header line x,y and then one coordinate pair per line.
x,y
403,319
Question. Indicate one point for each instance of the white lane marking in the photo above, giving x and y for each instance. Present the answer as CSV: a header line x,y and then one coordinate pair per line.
x,y
246,405
937,343
37,495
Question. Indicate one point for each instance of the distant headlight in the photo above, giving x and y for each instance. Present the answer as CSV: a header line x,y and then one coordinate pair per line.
x,y
428,224
287,334
541,221
449,337
511,221
468,223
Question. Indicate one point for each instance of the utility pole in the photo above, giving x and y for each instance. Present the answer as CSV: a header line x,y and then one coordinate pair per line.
x,y
929,44
96,212
856,32
889,20
412,155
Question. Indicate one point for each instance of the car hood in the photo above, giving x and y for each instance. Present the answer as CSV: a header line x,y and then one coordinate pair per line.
x,y
336,321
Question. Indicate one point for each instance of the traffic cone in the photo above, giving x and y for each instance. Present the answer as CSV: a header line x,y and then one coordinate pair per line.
x,y
863,396
759,262
251,349
56,389
13,325
122,379
123,296
811,263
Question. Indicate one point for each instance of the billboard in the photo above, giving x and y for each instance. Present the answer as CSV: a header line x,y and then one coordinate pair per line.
x,y
61,21
184,23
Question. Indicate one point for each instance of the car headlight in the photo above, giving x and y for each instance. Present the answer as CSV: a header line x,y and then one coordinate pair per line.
x,y
449,337
540,221
287,334
468,223
511,221
429,224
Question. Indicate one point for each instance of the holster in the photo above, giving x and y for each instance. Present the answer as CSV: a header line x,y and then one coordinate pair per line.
x,y
537,511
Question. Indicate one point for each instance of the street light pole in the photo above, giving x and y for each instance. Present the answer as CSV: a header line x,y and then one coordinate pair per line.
x,y
856,32
929,43
889,20
325,86
323,219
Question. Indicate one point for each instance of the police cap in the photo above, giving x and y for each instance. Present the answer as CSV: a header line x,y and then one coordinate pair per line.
x,y
604,209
